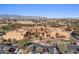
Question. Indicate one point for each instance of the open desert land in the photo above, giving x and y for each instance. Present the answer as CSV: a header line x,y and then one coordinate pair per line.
x,y
25,22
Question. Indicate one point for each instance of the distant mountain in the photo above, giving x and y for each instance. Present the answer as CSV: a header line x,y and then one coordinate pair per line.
x,y
18,17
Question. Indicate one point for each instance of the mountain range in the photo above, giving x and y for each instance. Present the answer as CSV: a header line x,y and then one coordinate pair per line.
x,y
18,17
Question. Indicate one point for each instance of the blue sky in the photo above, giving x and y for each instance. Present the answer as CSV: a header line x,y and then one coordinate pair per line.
x,y
46,10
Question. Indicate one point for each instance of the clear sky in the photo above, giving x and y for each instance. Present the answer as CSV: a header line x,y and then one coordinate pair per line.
x,y
46,10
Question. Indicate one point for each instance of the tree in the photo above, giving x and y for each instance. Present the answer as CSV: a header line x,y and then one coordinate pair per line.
x,y
9,40
37,35
63,47
15,20
4,40
72,41
22,43
57,34
68,28
14,41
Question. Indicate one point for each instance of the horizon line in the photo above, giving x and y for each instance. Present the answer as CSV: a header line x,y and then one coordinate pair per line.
x,y
51,17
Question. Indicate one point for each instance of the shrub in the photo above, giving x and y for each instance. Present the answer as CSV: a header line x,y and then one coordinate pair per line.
x,y
22,43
